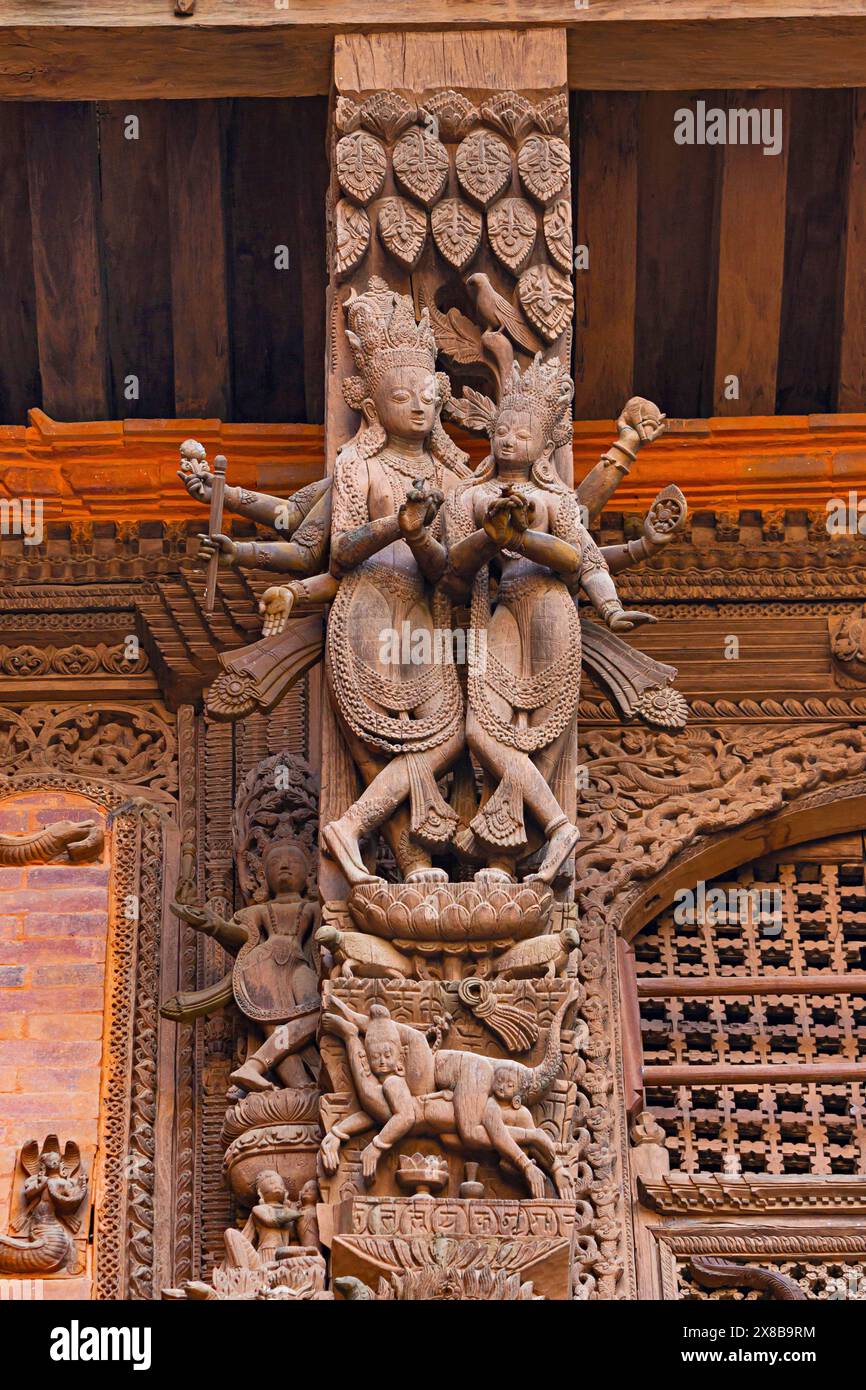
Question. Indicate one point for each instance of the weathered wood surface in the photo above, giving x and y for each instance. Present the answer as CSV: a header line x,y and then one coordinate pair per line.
x,y
750,268
81,51
605,126
136,232
67,264
198,259
852,351
818,166
19,368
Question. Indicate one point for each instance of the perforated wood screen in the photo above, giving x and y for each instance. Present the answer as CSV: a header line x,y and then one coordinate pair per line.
x,y
753,1018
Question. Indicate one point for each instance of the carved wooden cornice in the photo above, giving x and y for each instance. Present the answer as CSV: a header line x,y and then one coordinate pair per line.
x,y
125,470
718,1194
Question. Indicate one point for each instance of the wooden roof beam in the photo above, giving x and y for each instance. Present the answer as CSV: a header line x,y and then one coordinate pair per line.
x,y
107,50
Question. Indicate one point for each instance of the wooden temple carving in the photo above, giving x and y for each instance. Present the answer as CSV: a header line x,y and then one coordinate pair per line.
x,y
381,762
415,1057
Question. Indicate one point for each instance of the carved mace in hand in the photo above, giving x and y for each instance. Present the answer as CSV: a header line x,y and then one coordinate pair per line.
x,y
215,526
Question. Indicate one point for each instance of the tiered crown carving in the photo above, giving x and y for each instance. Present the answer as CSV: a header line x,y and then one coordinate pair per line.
x,y
383,332
545,389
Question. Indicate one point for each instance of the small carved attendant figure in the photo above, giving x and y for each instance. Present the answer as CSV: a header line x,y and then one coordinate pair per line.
x,y
273,981
522,526
54,1189
270,1227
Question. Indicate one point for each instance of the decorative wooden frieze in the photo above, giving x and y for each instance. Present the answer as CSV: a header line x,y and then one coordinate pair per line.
x,y
511,227
456,231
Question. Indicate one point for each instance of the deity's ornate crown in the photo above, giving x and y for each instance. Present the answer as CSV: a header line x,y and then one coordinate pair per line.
x,y
383,332
546,390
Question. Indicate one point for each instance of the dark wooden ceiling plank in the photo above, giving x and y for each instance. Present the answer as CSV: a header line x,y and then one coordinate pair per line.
x,y
20,386
750,261
606,138
135,233
310,181
851,393
199,296
67,260
818,163
266,309
675,260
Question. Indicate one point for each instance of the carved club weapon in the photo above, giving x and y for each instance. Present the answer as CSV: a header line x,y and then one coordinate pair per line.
x,y
215,523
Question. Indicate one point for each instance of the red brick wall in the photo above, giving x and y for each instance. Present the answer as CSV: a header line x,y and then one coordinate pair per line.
x,y
53,939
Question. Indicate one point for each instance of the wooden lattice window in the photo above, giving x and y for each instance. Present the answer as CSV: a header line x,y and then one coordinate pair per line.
x,y
753,1029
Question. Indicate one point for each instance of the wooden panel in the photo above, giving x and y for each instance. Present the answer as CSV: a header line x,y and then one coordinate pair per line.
x,y
266,309
605,134
70,309
198,260
675,258
310,182
852,349
19,360
750,263
135,235
814,239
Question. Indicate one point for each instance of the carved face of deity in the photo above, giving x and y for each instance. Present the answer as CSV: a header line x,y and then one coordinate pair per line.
x,y
286,868
518,440
404,402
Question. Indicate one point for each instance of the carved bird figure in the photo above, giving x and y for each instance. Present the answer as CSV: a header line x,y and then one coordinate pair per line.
x,y
498,312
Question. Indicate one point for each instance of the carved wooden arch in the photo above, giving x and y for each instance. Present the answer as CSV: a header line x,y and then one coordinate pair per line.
x,y
841,808
762,789
144,865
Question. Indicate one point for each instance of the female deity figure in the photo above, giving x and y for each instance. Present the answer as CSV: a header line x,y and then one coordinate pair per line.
x,y
519,524
273,981
400,710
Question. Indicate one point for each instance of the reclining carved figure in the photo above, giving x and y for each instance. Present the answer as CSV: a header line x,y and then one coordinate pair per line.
x,y
405,1088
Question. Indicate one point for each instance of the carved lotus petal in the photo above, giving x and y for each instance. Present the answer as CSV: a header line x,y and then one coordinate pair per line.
x,y
424,919
387,113
361,166
352,233
483,162
551,115
402,229
546,299
483,920
421,166
510,917
511,227
509,112
456,231
449,115
399,919
376,919
557,234
454,920
347,115
543,164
